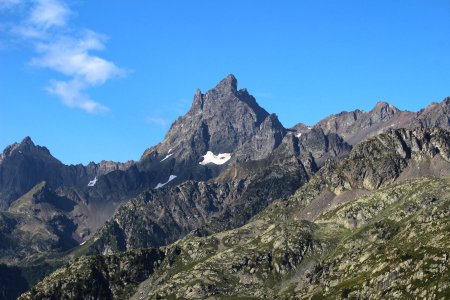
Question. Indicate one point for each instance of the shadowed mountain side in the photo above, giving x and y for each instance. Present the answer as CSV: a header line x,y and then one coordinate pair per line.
x,y
23,165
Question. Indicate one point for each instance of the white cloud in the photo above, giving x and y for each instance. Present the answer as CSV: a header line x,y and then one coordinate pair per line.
x,y
71,57
29,33
67,51
49,13
71,94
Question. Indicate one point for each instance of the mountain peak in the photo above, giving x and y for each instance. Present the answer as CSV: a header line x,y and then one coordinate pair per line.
x,y
27,141
228,84
222,120
25,144
384,105
226,87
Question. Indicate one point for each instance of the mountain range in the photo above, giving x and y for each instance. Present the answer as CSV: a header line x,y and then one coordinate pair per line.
x,y
233,204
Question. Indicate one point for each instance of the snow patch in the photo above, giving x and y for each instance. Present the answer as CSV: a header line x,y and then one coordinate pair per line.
x,y
309,128
167,156
170,150
92,182
219,159
160,185
83,243
298,135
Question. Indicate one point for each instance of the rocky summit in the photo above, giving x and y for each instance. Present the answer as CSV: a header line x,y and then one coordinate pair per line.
x,y
233,205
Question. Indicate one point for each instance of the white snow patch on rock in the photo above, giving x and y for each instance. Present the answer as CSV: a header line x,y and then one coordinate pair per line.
x,y
170,150
83,243
160,185
219,159
92,182
298,135
167,156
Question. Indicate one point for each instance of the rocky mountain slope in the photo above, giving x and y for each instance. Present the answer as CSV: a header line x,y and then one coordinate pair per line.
x,y
368,226
158,217
358,125
23,165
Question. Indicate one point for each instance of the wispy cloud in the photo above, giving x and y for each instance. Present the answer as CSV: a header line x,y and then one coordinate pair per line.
x,y
49,13
71,94
6,4
71,57
65,50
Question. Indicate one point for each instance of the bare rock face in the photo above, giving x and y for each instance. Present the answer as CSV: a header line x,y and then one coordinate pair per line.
x,y
223,120
323,146
23,165
357,125
267,137
435,115
107,166
381,159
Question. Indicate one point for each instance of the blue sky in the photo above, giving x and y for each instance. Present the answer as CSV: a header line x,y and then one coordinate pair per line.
x,y
95,80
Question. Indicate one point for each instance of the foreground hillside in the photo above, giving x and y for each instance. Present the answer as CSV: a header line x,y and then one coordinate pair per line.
x,y
373,225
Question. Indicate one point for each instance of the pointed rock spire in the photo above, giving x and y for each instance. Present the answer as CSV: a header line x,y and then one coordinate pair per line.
x,y
227,85
27,141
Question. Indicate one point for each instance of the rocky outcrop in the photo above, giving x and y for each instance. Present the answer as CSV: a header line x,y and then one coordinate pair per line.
x,y
357,125
100,277
323,146
382,159
435,115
